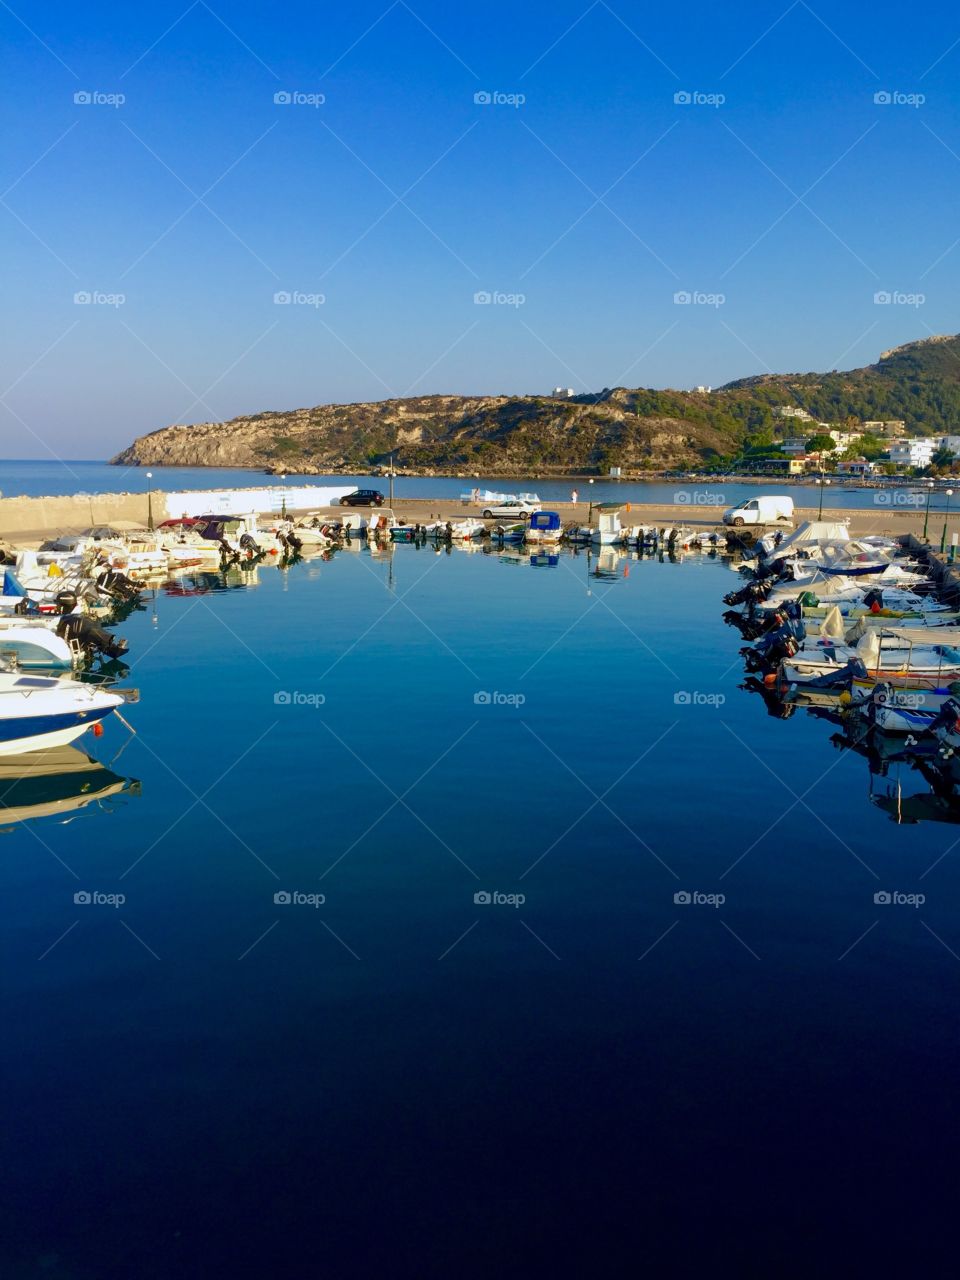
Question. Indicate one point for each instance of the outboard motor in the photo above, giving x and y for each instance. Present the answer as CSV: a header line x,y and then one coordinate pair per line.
x,y
93,639
66,601
249,544
873,597
776,645
116,584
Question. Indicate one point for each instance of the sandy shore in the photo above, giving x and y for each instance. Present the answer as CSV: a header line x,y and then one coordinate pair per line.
x,y
880,519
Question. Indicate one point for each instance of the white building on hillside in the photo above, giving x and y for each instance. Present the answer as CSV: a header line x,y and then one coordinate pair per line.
x,y
916,452
952,443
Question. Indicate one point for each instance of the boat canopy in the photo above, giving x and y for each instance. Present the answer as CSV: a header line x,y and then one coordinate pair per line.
x,y
545,520
812,531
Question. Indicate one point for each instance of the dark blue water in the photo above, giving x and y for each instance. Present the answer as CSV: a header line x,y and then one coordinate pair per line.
x,y
45,478
406,1080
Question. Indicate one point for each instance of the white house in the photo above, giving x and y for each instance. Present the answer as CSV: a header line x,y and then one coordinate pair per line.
x,y
562,393
791,411
844,439
855,467
952,443
915,452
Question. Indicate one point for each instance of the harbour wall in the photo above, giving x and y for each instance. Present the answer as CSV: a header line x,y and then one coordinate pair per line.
x,y
71,513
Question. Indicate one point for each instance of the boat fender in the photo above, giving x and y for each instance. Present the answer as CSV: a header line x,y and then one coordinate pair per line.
x,y
98,730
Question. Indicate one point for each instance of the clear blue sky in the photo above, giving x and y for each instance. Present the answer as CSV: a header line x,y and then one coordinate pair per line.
x,y
599,197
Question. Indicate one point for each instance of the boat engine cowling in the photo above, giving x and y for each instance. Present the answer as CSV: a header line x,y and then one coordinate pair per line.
x,y
93,639
114,583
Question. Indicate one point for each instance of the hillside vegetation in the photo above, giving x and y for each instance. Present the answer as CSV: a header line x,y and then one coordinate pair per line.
x,y
639,429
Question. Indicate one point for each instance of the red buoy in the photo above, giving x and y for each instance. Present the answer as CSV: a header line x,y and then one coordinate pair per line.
x,y
98,730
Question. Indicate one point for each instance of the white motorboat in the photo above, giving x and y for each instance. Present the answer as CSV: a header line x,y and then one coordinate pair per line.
x,y
43,711
33,644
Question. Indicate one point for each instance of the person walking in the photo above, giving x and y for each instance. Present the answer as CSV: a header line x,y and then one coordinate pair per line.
x,y
573,495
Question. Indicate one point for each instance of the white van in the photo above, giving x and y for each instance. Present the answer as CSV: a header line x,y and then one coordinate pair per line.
x,y
765,510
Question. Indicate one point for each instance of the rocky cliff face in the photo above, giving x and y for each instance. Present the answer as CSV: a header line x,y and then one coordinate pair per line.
x,y
498,434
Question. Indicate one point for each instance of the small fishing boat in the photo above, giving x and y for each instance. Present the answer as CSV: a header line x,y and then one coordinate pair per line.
x,y
544,528
43,711
381,523
508,532
608,531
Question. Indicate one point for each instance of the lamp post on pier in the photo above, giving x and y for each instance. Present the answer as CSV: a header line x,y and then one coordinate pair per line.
x,y
283,496
926,514
946,514
821,482
150,501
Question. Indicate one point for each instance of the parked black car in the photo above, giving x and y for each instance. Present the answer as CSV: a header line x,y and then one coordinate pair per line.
x,y
363,498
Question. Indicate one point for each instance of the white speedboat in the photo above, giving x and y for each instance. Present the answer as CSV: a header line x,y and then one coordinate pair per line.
x,y
34,644
43,711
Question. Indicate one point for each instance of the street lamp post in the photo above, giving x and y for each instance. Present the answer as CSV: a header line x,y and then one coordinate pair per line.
x,y
283,496
943,536
393,472
149,501
926,515
821,483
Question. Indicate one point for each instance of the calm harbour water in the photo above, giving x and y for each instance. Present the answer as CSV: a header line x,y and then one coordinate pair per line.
x,y
207,1081
46,478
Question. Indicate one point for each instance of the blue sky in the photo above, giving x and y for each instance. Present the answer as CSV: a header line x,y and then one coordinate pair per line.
x,y
782,197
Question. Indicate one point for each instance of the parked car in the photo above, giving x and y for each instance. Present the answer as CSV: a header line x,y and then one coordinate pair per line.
x,y
363,498
514,508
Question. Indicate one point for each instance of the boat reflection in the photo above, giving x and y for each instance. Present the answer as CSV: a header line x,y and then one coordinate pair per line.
x,y
58,783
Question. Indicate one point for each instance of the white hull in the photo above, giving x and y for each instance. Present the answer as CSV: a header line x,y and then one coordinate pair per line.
x,y
40,741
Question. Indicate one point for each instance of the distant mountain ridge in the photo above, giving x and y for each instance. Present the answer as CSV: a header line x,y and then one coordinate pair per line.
x,y
638,429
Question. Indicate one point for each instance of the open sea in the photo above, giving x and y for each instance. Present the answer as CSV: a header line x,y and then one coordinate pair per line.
x,y
456,915
49,478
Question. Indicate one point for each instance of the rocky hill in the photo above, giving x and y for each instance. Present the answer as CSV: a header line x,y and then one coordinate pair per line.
x,y
639,429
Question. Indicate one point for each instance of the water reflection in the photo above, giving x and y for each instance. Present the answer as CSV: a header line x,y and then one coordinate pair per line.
x,y
58,783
